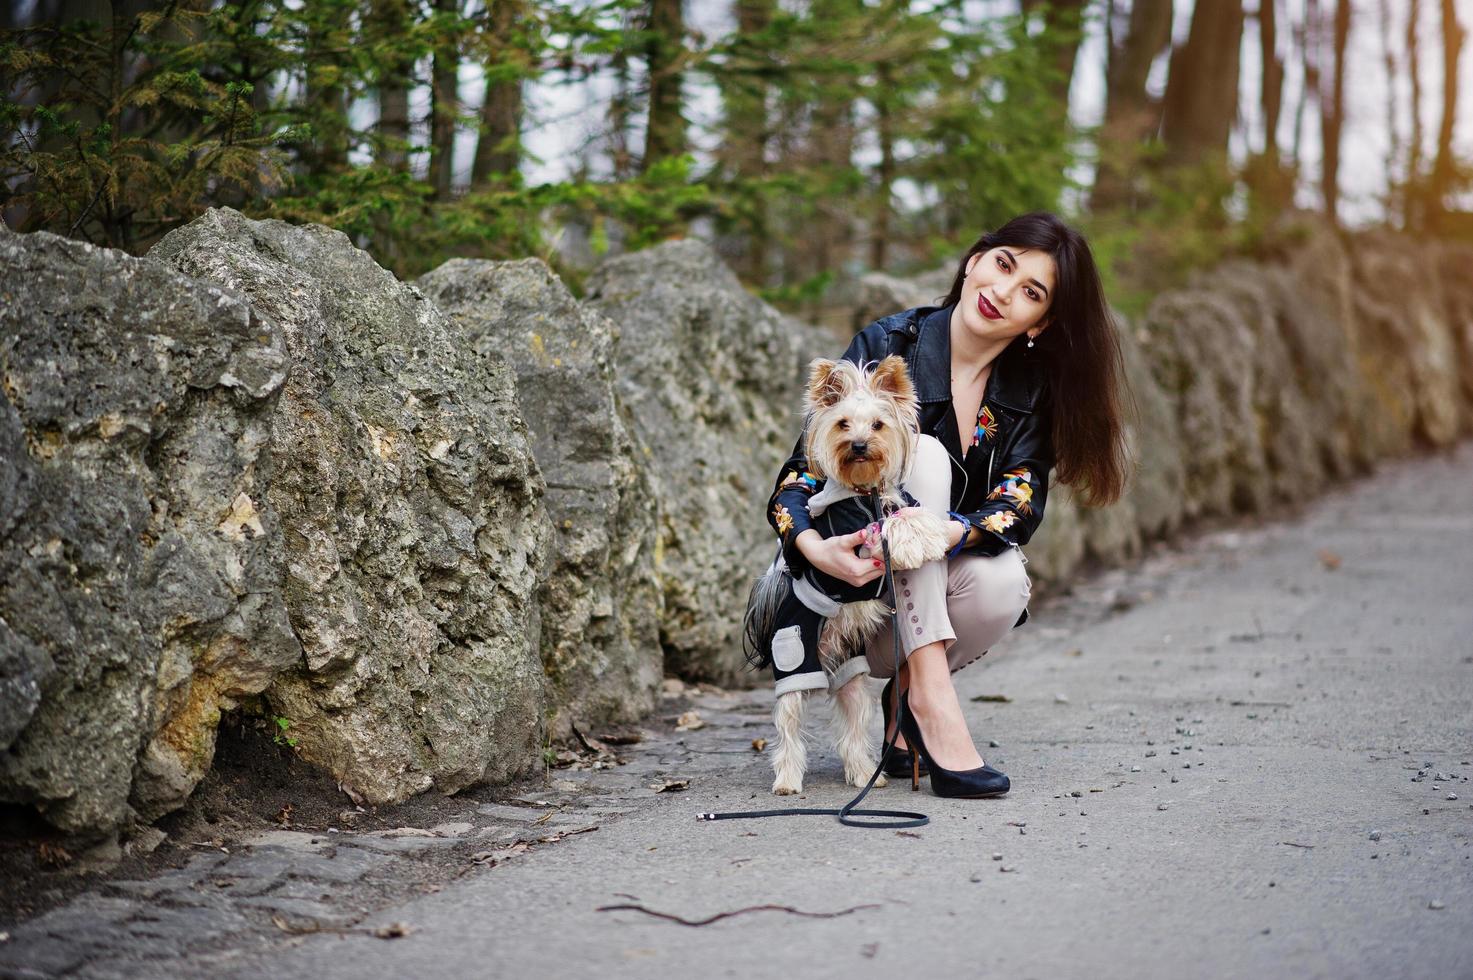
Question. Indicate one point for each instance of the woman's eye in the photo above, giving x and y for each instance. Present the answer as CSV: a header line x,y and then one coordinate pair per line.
x,y
878,425
1002,263
1032,295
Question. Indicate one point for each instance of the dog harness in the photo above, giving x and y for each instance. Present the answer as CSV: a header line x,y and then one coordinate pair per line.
x,y
813,597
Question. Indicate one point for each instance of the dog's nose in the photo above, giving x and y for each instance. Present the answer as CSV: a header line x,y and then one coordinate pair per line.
x,y
859,447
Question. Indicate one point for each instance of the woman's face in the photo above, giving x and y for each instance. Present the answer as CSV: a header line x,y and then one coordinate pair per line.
x,y
1007,291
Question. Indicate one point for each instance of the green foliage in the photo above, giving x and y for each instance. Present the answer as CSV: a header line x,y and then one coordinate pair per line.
x,y
113,134
280,737
1177,223
117,132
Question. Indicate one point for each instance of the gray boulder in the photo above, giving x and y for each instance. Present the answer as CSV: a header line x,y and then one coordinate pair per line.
x,y
1151,506
1406,347
1454,263
601,601
1200,352
880,294
140,586
712,377
410,513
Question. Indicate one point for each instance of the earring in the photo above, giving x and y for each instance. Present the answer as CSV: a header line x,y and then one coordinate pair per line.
x,y
1030,340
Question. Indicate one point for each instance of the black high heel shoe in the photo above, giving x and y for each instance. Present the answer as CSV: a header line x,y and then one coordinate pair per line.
x,y
966,783
899,764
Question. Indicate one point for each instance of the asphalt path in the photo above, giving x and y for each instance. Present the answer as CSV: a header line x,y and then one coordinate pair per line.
x,y
1246,756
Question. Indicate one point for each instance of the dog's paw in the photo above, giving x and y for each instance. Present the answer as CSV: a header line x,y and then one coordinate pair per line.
x,y
781,788
859,775
916,536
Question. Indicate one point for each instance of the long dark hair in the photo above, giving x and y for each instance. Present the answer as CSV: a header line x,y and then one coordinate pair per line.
x,y
1081,352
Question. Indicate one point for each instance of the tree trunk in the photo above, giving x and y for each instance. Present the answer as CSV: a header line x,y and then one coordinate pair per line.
x,y
1453,35
885,133
1332,118
744,95
390,18
1064,21
1412,204
665,132
1393,148
1131,115
1272,186
326,102
444,103
1307,36
1273,80
498,147
1202,86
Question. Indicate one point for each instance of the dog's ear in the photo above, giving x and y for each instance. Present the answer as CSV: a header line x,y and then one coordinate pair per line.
x,y
827,385
891,378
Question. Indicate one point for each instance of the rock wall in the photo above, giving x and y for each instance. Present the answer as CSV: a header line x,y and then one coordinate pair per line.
x,y
432,525
711,376
139,574
253,461
410,512
1260,383
601,601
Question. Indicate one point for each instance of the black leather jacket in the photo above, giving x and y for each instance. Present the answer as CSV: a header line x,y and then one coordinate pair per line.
x,y
1001,484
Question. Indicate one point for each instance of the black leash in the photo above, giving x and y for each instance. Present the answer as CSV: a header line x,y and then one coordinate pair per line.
x,y
847,812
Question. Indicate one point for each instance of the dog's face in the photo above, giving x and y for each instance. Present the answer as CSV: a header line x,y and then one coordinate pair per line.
x,y
861,424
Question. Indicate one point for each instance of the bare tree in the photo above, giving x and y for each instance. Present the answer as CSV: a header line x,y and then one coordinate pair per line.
x,y
1412,204
1306,36
1453,36
1131,115
1393,132
1273,79
1202,86
1332,117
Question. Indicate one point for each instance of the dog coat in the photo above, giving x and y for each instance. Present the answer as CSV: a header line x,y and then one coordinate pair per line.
x,y
814,596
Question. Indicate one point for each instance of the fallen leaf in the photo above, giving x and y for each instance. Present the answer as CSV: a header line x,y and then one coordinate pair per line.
x,y
1329,559
670,785
284,815
998,698
758,744
52,855
689,722
394,930
281,922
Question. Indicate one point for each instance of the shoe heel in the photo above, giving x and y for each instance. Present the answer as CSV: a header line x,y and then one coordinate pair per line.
x,y
915,772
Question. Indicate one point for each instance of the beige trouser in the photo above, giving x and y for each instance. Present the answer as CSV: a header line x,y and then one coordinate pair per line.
x,y
969,602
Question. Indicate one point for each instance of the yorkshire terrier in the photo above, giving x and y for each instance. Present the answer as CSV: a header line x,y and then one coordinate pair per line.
x,y
860,432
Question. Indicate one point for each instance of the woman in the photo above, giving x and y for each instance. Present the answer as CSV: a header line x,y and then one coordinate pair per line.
x,y
1017,371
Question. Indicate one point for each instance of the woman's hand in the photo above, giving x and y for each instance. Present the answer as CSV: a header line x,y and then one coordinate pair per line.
x,y
954,532
835,556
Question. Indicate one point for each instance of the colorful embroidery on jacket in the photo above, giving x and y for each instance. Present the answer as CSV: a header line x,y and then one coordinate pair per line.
x,y
782,519
1016,487
986,426
805,478
1000,521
